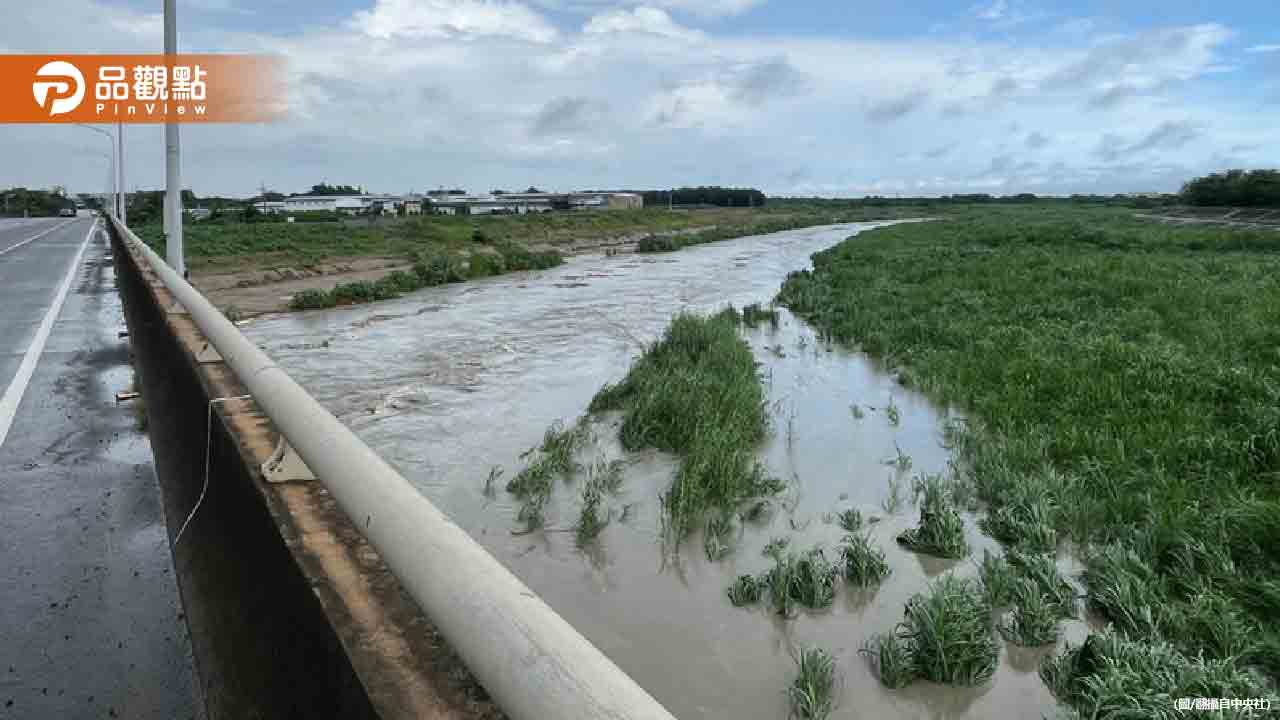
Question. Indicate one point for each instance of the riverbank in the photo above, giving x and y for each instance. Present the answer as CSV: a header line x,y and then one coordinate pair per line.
x,y
255,268
1123,385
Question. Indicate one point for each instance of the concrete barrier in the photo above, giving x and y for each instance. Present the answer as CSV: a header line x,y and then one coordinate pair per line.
x,y
296,610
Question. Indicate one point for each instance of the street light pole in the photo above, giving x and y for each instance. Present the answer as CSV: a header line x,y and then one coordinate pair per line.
x,y
117,169
172,159
124,189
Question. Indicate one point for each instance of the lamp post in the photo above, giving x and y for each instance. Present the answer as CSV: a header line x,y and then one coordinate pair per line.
x,y
172,158
117,172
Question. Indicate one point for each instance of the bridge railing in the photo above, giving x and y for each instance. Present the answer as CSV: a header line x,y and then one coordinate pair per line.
x,y
533,663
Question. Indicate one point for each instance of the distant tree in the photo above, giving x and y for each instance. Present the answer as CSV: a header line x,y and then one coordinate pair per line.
x,y
532,189
251,213
1234,188
327,189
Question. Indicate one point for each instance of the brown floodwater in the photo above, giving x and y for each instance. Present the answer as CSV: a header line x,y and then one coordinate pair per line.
x,y
451,382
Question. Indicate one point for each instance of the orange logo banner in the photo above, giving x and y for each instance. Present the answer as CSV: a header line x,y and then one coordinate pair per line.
x,y
141,88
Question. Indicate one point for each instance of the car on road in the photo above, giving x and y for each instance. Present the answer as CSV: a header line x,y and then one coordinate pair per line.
x,y
67,212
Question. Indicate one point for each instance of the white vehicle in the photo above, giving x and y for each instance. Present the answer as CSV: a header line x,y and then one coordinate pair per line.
x,y
67,212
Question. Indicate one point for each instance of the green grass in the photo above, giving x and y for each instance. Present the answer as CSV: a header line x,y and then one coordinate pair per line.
x,y
1034,620
812,693
592,519
941,531
695,393
746,590
1122,381
427,272
1110,675
553,457
850,520
806,579
946,637
862,564
754,315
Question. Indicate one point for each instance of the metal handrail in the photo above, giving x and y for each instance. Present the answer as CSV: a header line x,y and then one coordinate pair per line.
x,y
534,663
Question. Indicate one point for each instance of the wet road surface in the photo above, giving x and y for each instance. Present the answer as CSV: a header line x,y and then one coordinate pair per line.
x,y
90,618
451,382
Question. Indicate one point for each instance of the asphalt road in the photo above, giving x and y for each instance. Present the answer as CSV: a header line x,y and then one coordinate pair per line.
x,y
91,624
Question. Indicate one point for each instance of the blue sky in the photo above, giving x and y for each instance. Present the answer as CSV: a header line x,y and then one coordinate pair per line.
x,y
823,97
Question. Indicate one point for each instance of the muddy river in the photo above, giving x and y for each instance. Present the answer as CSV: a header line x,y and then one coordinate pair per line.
x,y
452,382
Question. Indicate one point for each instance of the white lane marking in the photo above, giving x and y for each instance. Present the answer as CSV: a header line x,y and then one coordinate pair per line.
x,y
13,394
33,238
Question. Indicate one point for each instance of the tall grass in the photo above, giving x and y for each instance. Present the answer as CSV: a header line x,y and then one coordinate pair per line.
x,y
695,393
941,531
812,693
1124,394
862,563
946,637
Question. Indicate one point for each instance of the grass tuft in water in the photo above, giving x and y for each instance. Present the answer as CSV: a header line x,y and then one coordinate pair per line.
x,y
812,693
696,393
946,637
863,564
806,579
941,531
717,536
1034,620
949,630
754,314
554,456
850,520
891,411
998,579
591,520
890,660
746,590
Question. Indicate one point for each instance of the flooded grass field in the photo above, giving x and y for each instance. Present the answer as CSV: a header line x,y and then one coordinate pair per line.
x,y
455,384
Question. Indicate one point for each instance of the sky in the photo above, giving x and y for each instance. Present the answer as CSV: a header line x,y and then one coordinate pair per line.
x,y
803,97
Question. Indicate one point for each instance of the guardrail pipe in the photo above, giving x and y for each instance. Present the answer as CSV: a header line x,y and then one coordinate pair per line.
x,y
534,663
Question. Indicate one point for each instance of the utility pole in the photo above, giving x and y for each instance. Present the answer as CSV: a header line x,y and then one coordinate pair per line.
x,y
122,197
172,159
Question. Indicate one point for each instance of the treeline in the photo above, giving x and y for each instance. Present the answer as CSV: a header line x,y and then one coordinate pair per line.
x,y
1235,188
19,201
719,196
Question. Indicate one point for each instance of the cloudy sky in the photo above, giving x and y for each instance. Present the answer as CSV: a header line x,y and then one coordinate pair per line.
x,y
830,97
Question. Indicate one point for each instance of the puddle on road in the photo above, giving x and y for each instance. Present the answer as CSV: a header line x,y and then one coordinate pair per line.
x,y
449,394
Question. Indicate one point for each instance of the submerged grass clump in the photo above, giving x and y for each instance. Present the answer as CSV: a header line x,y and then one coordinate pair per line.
x,y
863,564
812,693
946,637
696,393
1125,391
941,531
806,579
850,520
1034,620
746,590
754,314
553,457
591,520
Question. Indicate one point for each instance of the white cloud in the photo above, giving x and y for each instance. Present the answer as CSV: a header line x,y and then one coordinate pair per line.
x,y
640,20
449,18
1262,49
995,10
